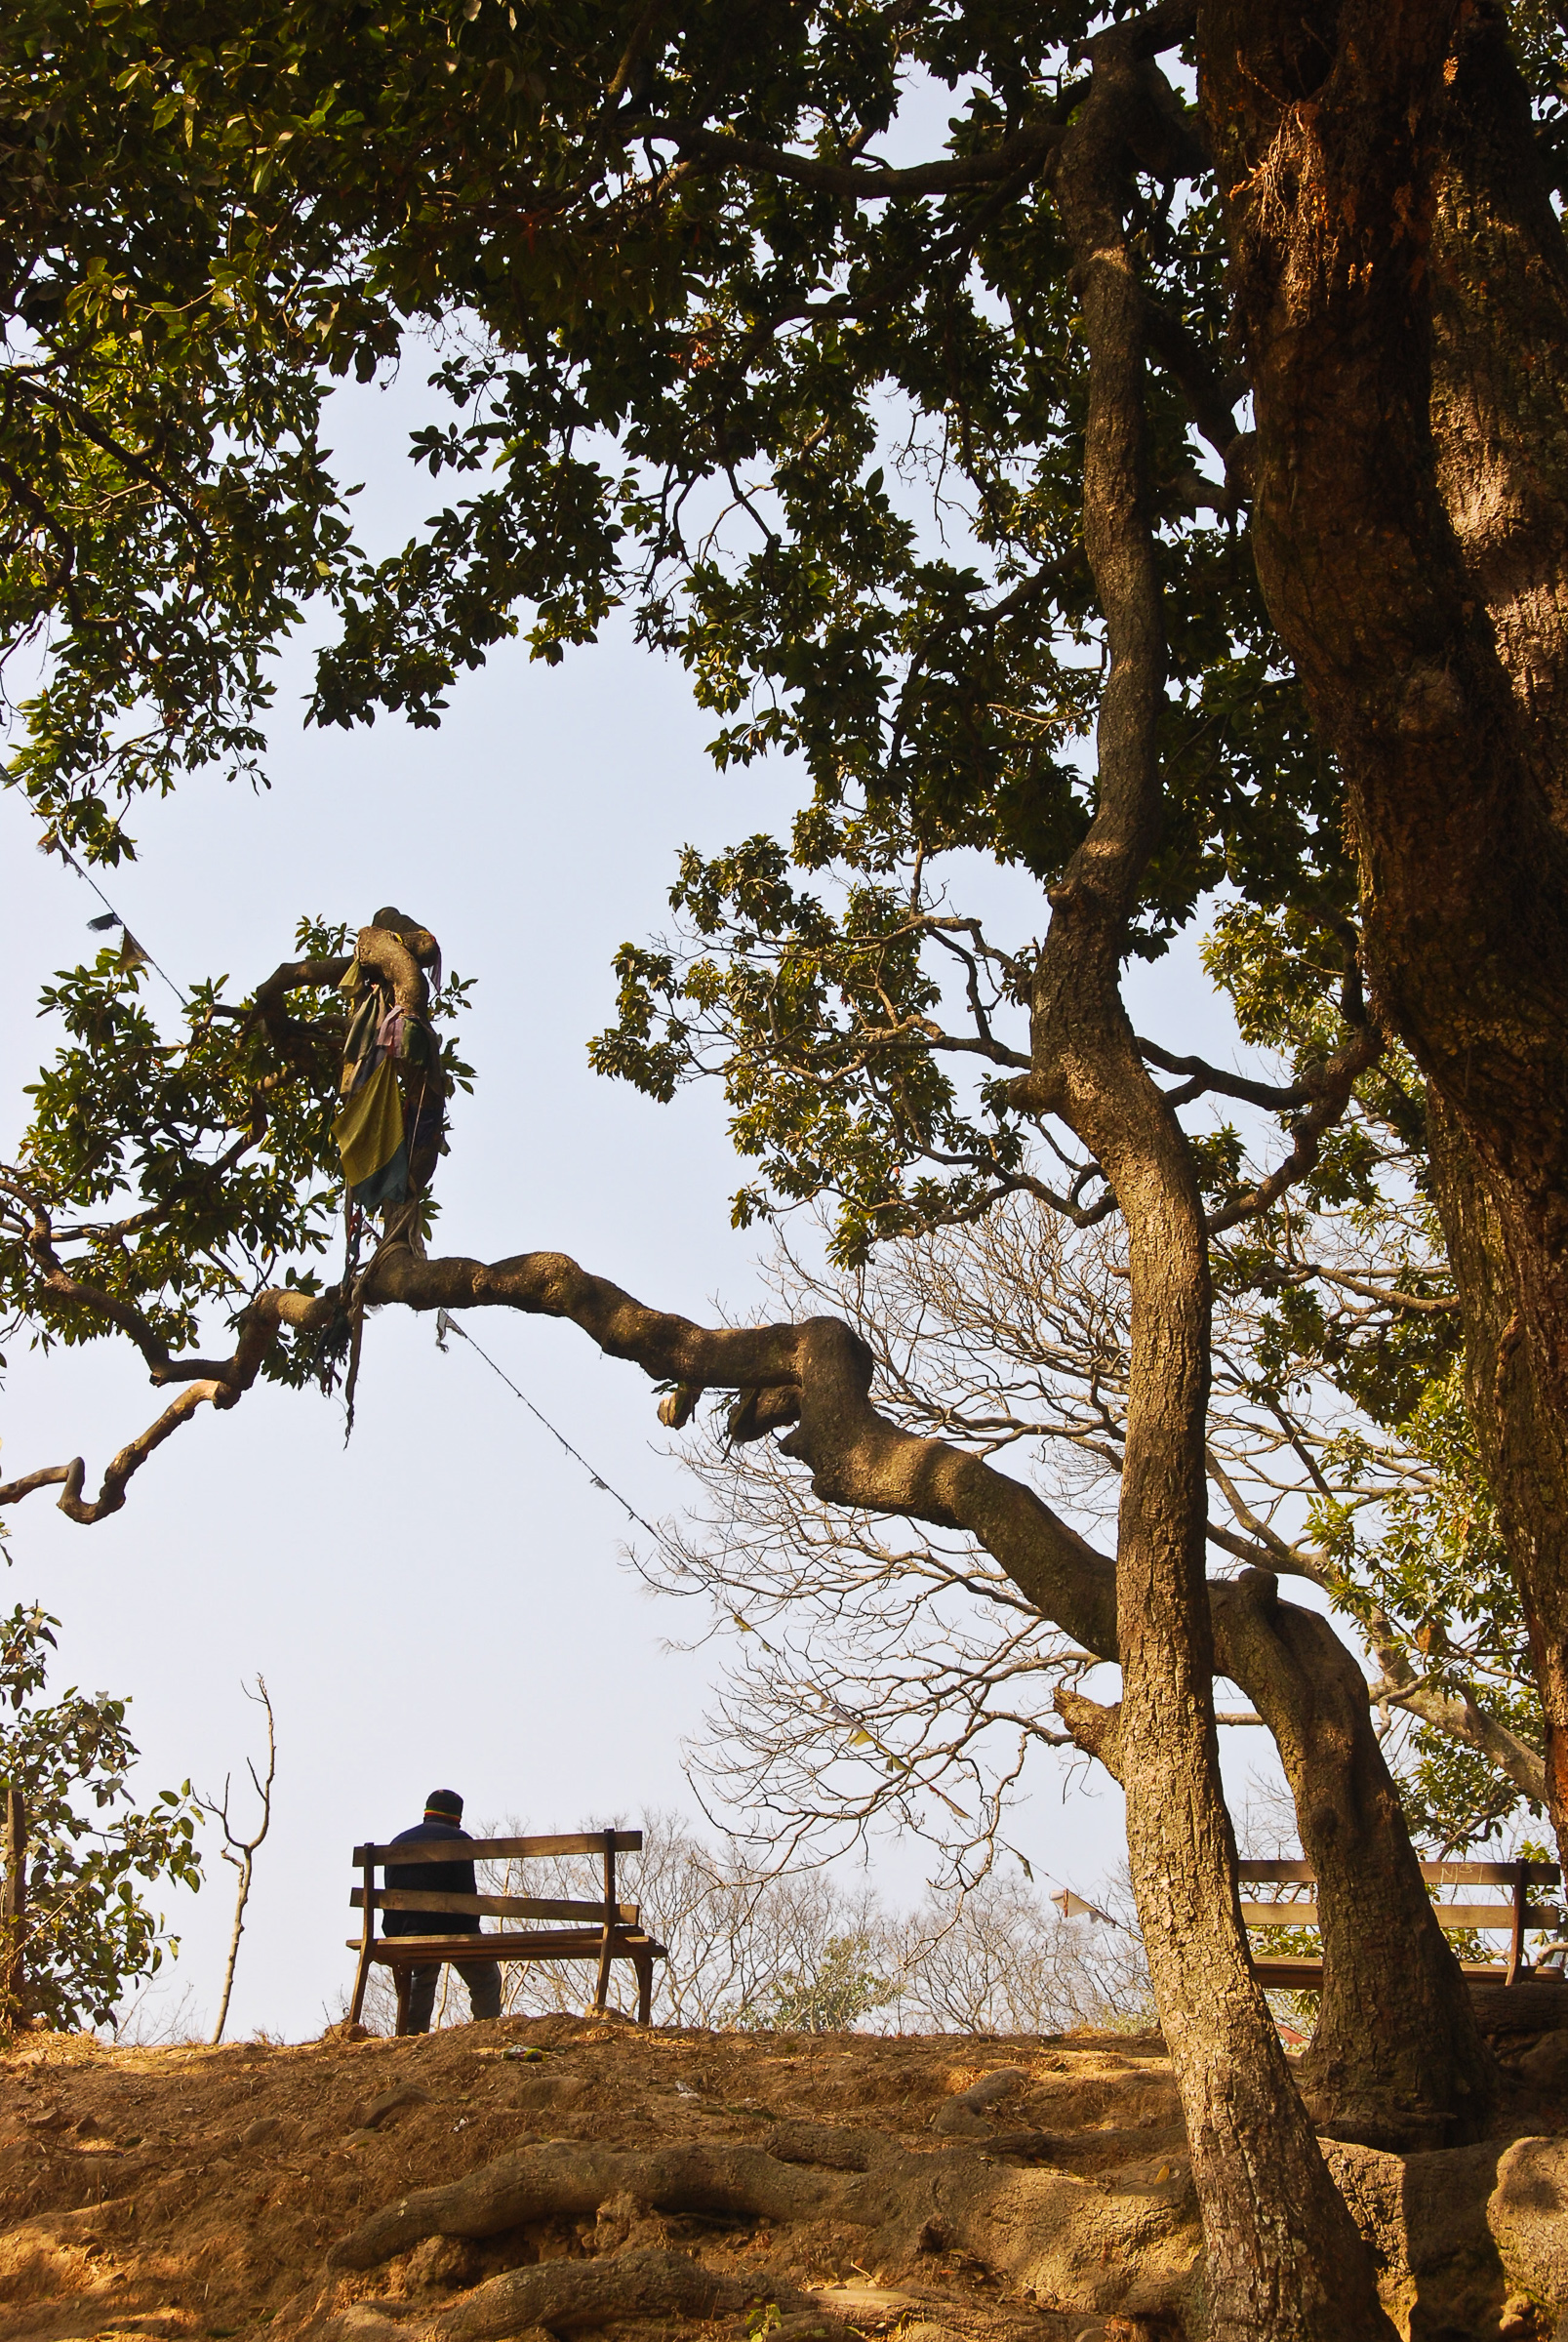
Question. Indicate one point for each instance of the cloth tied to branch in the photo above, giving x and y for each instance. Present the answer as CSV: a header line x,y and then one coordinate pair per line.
x,y
371,1140
388,1127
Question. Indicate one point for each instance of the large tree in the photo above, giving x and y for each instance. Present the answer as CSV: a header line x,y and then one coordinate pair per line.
x,y
711,352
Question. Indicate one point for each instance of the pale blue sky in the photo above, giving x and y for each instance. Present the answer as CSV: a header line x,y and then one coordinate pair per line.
x,y
443,1601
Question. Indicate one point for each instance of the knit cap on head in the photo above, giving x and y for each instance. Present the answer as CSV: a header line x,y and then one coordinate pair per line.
x,y
443,1806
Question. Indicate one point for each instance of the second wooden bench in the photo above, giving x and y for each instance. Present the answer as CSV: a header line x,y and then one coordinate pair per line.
x,y
1514,1918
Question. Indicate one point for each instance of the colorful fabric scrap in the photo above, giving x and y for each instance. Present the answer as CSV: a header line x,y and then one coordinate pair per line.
x,y
370,1138
389,1126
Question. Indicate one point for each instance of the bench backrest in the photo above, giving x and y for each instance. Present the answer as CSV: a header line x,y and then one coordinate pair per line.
x,y
1516,1914
607,1911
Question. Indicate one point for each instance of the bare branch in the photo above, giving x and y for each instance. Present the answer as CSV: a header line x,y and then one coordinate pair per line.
x,y
241,1851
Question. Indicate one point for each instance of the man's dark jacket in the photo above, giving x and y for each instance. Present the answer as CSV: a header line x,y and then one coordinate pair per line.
x,y
432,1879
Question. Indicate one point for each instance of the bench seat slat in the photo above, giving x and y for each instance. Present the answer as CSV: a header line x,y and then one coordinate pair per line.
x,y
1307,1975
496,1850
1491,1916
490,1907
556,1943
1436,1874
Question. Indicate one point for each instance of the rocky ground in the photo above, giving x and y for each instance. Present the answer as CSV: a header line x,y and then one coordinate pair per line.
x,y
553,2176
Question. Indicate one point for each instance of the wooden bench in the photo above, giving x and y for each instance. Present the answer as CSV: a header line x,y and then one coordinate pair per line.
x,y
606,1930
1516,1917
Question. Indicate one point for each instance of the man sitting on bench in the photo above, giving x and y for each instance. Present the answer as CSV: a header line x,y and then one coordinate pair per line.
x,y
443,1818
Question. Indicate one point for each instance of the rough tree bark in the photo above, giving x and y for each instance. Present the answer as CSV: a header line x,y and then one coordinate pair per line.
x,y
1041,2228
1500,427
1401,286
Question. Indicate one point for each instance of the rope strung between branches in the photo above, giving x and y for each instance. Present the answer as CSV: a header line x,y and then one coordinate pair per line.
x,y
445,1324
131,950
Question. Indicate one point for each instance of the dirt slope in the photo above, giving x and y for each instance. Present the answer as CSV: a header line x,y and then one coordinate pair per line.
x,y
551,2175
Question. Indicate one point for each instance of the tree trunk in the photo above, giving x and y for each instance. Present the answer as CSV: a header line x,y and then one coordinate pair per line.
x,y
1283,2257
1418,581
1397,2060
242,1896
1500,430
13,1911
1519,1426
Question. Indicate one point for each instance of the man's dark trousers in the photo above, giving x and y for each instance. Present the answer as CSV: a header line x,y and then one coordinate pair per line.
x,y
481,1976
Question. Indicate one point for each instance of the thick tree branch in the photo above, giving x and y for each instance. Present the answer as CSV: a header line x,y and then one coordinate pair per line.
x,y
1459,1715
1451,1710
1020,157
1277,1097
1329,1087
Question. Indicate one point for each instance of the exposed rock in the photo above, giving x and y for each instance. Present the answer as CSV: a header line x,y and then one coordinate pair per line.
x,y
371,2113
963,2116
1471,2235
1547,2064
1528,2215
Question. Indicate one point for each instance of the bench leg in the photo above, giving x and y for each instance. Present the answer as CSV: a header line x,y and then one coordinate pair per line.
x,y
645,1988
601,1995
402,1978
361,1978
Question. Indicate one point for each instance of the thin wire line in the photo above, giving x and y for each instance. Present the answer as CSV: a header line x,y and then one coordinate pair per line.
x,y
71,864
445,1324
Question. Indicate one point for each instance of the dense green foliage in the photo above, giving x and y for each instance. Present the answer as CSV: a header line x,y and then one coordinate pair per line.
x,y
157,1181
90,1933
